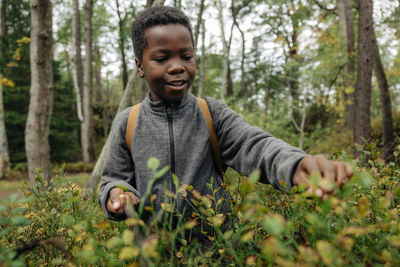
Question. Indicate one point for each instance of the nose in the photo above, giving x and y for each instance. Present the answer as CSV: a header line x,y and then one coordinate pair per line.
x,y
176,67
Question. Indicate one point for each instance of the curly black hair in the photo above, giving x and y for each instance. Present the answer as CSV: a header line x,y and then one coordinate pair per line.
x,y
154,16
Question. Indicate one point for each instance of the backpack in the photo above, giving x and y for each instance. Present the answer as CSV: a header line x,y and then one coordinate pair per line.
x,y
130,128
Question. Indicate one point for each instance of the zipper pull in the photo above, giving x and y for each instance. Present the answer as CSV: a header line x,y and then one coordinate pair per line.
x,y
169,111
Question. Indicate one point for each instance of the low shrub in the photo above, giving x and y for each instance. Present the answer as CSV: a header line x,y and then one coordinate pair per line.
x,y
53,225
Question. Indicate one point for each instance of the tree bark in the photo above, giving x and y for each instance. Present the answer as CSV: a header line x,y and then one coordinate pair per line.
x,y
41,91
363,87
121,45
87,129
4,157
346,21
3,25
198,23
202,69
387,121
77,68
226,86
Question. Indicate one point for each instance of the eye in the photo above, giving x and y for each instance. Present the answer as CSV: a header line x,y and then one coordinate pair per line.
x,y
160,59
187,57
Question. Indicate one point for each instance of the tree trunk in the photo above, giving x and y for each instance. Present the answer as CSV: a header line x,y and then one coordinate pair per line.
x,y
346,21
387,122
96,173
202,69
198,23
77,68
41,91
121,45
363,87
88,129
226,86
4,157
3,25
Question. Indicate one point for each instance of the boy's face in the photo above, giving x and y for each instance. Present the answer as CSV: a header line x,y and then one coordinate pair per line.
x,y
168,62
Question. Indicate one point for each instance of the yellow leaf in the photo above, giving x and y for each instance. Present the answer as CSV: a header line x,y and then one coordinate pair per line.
x,y
128,253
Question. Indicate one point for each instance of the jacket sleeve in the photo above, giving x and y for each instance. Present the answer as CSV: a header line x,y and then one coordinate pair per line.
x,y
246,148
118,166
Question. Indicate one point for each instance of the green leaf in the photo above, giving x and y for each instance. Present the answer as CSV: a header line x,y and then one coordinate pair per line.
x,y
254,176
124,188
19,210
175,180
20,221
13,197
153,163
364,179
3,208
68,220
274,225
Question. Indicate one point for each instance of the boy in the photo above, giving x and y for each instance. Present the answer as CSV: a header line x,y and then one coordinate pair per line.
x,y
171,127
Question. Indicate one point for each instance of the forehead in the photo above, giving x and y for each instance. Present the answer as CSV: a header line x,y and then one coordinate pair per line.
x,y
171,34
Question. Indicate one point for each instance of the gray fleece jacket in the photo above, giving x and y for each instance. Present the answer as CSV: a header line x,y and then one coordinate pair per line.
x,y
177,134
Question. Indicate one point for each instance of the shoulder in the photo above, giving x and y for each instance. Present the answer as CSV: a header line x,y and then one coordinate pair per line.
x,y
215,105
121,120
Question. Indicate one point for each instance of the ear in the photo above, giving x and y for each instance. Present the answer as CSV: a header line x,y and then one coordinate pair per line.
x,y
139,67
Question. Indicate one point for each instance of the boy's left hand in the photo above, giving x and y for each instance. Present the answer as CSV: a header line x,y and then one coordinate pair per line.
x,y
339,172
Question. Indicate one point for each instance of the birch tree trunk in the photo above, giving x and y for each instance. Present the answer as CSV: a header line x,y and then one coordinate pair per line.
x,y
4,156
387,121
87,129
202,69
77,68
41,91
363,87
347,28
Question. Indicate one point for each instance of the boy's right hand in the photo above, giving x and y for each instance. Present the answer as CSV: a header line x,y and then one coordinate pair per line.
x,y
118,200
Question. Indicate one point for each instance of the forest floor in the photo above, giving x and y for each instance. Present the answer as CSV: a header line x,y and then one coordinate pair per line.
x,y
9,187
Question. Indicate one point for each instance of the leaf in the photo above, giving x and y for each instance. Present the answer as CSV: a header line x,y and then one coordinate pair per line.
x,y
153,163
68,220
124,188
274,224
254,176
20,221
128,253
13,197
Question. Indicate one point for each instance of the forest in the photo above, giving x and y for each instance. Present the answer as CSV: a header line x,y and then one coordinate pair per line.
x,y
322,75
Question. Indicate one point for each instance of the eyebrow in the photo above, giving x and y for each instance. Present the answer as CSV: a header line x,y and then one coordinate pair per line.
x,y
166,51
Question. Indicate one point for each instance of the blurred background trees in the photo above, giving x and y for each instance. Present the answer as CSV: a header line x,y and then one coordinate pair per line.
x,y
313,73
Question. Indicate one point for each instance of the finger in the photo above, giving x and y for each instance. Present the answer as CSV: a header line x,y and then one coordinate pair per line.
x,y
326,167
349,171
114,203
135,199
309,164
341,173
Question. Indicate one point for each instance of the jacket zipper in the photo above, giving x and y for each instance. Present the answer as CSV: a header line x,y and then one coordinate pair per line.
x,y
171,142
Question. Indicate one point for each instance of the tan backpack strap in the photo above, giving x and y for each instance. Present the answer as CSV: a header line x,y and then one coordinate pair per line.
x,y
213,136
130,126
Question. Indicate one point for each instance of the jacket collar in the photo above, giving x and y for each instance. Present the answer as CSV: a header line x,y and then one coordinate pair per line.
x,y
159,107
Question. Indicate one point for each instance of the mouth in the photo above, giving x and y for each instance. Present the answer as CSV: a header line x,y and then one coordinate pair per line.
x,y
177,83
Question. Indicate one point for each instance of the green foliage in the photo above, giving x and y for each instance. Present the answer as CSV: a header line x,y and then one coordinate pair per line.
x,y
358,226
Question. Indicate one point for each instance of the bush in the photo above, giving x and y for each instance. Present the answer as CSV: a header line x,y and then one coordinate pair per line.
x,y
358,226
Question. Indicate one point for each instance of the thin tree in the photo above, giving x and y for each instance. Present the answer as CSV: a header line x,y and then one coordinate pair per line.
x,y
88,126
41,91
345,15
4,156
226,86
77,67
121,43
362,126
387,121
202,64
